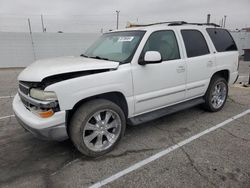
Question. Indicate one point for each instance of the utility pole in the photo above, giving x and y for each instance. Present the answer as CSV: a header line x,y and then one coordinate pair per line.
x,y
225,17
31,38
42,23
117,19
29,26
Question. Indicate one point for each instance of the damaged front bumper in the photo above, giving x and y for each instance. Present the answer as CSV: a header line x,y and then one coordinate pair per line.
x,y
52,128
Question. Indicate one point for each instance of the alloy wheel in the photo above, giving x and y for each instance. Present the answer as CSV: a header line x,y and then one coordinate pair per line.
x,y
102,130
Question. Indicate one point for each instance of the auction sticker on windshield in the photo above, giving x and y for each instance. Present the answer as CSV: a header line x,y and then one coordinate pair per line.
x,y
125,39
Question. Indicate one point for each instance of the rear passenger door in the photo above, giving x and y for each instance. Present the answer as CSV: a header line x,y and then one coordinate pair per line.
x,y
200,62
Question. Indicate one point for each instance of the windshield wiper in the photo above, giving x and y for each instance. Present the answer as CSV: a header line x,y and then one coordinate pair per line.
x,y
98,57
95,57
83,55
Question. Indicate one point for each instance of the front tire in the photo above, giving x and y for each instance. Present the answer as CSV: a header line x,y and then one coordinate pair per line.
x,y
96,127
216,95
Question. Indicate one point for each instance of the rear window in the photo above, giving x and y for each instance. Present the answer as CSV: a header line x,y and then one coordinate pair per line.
x,y
222,40
195,43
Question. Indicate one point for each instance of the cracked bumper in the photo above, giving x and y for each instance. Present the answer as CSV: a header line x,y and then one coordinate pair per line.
x,y
52,128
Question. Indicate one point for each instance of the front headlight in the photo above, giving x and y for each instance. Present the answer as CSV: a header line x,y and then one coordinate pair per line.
x,y
43,95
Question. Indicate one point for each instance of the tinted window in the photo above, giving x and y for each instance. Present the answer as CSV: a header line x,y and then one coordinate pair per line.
x,y
195,43
163,42
222,39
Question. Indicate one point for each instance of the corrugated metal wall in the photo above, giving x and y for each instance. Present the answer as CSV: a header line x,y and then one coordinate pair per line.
x,y
17,49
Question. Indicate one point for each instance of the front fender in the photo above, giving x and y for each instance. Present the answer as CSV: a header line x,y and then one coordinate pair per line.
x,y
70,92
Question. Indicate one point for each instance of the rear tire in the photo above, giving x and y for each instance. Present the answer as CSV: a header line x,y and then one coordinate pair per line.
x,y
96,127
216,95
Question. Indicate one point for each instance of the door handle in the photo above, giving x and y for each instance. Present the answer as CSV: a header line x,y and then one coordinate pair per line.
x,y
180,69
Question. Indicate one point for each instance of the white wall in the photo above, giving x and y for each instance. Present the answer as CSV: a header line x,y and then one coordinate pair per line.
x,y
16,49
242,39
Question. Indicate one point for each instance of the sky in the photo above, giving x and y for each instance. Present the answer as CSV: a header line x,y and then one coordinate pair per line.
x,y
100,15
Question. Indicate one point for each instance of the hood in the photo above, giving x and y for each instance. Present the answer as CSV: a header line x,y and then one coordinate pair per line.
x,y
41,69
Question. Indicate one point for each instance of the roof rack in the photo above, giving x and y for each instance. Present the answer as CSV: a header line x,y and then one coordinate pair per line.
x,y
157,23
172,23
209,24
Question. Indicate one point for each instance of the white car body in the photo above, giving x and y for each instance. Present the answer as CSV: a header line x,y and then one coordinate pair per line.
x,y
145,88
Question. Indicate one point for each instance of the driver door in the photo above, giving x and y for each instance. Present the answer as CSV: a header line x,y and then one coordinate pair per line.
x,y
160,84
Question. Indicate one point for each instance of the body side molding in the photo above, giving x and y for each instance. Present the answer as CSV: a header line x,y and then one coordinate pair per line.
x,y
164,111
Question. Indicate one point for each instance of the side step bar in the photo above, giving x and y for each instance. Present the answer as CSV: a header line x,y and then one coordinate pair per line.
x,y
164,111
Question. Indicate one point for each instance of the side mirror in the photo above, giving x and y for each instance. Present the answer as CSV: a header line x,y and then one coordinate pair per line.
x,y
151,57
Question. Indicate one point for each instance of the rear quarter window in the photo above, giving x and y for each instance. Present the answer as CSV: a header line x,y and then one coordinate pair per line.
x,y
222,40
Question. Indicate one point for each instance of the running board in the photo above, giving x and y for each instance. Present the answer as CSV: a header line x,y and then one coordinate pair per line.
x,y
164,111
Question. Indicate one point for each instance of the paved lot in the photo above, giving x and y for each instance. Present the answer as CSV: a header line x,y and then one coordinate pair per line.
x,y
244,68
217,159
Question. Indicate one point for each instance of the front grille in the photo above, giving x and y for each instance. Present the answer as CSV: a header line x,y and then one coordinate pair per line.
x,y
25,102
24,88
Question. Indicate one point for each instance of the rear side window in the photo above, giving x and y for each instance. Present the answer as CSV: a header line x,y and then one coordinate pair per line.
x,y
222,40
195,43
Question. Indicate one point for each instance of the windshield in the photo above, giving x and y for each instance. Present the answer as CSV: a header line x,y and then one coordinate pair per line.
x,y
117,46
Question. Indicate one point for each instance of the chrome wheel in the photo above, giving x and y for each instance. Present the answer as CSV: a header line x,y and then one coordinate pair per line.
x,y
102,130
219,94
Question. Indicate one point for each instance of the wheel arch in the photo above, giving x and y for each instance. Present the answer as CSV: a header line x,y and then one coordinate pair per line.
x,y
115,96
223,73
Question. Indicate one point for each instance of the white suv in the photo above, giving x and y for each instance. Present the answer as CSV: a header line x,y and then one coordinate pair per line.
x,y
128,76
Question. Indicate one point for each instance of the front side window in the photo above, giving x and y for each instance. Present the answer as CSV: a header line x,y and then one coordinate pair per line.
x,y
222,40
195,43
164,42
116,46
